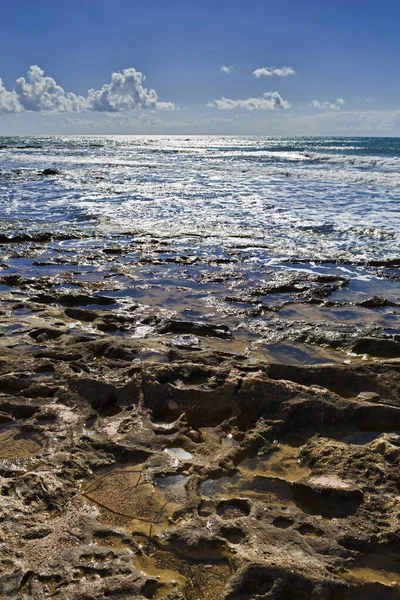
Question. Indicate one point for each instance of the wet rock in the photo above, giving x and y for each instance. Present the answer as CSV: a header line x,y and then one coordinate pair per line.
x,y
120,353
187,349
98,394
309,285
369,396
81,314
195,328
375,417
232,509
107,326
206,402
190,342
328,496
214,431
376,302
37,532
73,300
59,355
12,383
36,236
47,172
5,418
348,381
47,333
13,280
112,250
255,580
385,348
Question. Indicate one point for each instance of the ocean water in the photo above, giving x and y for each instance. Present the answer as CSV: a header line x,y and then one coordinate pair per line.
x,y
322,199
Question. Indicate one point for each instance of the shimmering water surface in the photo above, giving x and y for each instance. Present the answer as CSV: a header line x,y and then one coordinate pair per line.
x,y
244,233
307,198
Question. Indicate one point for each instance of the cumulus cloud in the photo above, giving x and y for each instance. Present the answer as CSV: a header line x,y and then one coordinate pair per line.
x,y
328,105
268,101
124,92
226,70
8,100
271,71
39,93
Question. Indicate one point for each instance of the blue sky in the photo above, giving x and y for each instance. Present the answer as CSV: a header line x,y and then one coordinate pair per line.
x,y
341,59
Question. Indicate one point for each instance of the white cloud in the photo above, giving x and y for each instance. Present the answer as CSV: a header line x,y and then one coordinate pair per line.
x,y
328,105
8,100
125,92
268,101
39,93
270,71
166,106
226,70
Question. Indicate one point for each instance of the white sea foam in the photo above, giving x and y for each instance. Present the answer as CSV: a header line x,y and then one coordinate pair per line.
x,y
292,198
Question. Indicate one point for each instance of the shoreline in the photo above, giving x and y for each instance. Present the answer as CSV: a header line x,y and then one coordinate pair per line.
x,y
171,417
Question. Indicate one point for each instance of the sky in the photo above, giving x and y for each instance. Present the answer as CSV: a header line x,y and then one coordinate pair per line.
x,y
248,67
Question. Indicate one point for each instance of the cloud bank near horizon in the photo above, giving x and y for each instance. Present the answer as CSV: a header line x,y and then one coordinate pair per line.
x,y
328,105
39,93
268,101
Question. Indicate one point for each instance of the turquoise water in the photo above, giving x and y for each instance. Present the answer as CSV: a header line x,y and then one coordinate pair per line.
x,y
288,198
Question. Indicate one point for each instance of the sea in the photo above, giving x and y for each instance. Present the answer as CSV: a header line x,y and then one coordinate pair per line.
x,y
326,199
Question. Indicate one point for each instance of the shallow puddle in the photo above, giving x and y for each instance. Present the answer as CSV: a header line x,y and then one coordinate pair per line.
x,y
196,579
277,478
232,441
22,312
149,355
232,509
267,477
379,568
126,498
371,576
173,487
329,503
360,438
284,463
262,488
347,315
192,384
292,353
93,423
127,494
16,443
179,453
12,330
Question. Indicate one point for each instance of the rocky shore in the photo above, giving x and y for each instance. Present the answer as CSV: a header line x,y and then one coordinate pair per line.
x,y
177,425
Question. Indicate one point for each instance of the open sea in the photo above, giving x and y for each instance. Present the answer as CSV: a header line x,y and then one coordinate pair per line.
x,y
309,199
